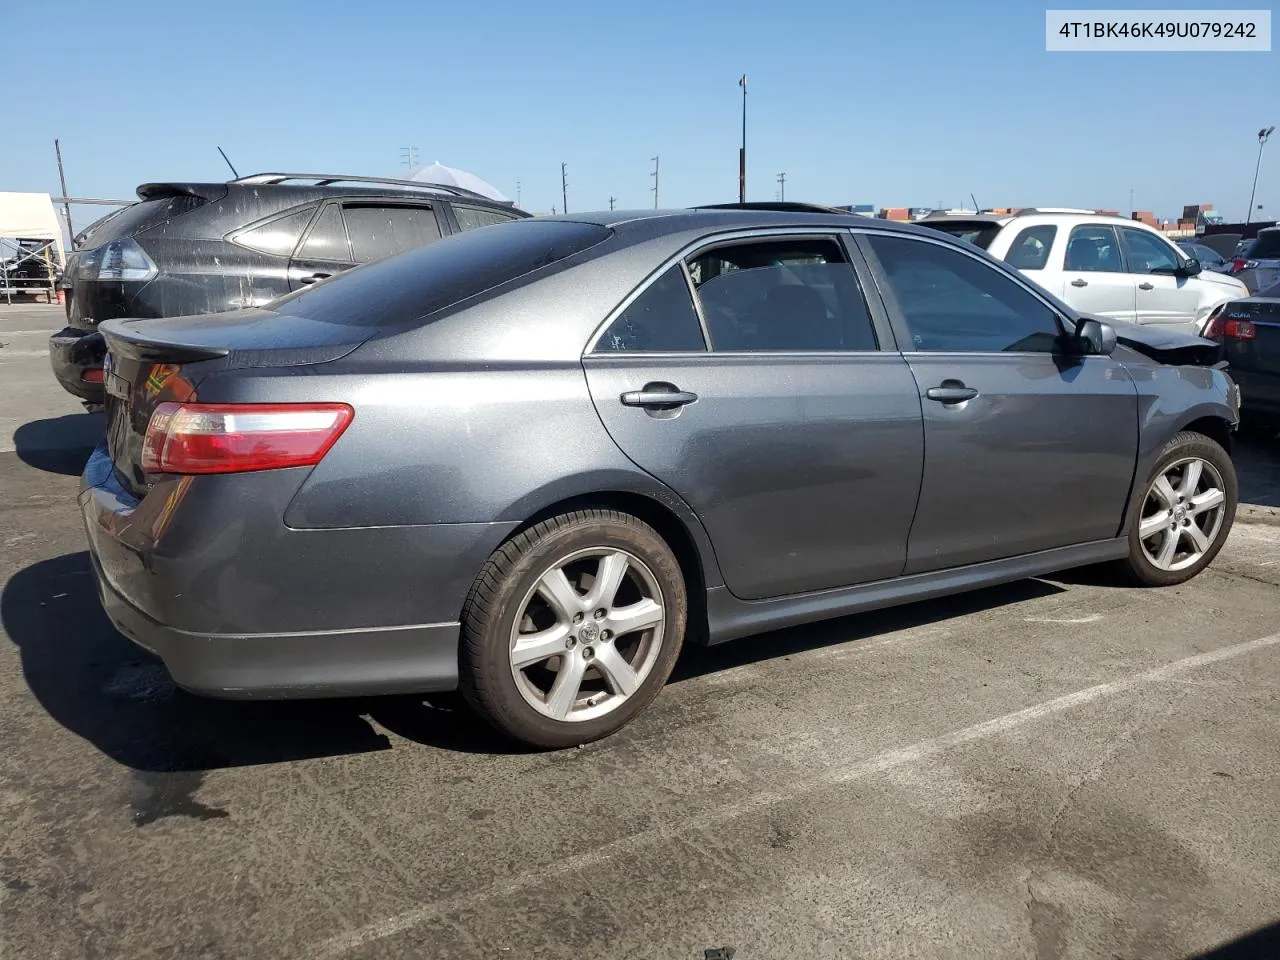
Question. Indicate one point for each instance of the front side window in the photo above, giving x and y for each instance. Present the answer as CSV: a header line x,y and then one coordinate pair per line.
x,y
954,303
1148,254
1030,249
781,295
471,217
661,320
378,232
1093,249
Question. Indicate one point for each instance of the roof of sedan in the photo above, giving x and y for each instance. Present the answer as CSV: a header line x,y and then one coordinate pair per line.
x,y
694,218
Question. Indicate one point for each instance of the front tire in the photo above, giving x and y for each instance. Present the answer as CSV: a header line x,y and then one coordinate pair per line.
x,y
572,628
1182,513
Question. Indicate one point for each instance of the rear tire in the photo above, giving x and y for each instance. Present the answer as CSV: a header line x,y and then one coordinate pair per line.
x,y
572,628
1181,514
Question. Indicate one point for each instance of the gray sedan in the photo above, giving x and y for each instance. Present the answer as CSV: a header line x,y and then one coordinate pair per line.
x,y
532,460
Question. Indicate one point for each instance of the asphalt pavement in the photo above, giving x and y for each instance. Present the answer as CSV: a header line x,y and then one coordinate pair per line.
x,y
1055,768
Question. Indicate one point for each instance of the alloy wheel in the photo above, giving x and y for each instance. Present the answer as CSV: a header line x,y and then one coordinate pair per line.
x,y
1182,514
587,634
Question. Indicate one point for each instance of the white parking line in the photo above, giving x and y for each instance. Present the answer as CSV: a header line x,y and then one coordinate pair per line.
x,y
835,774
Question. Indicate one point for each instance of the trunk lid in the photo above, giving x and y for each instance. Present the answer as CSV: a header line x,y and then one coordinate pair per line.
x,y
1262,353
150,362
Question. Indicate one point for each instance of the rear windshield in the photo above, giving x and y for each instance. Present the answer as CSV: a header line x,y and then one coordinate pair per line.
x,y
419,282
1267,246
980,234
142,216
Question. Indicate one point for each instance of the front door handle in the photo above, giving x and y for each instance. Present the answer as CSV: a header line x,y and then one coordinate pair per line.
x,y
1079,283
1146,286
951,392
658,396
314,277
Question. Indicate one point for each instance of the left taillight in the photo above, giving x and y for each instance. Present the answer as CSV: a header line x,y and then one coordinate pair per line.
x,y
187,438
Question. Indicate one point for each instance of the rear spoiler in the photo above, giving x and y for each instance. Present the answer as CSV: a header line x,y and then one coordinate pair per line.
x,y
124,342
207,192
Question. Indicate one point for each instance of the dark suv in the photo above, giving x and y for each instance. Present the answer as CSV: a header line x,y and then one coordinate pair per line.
x,y
188,248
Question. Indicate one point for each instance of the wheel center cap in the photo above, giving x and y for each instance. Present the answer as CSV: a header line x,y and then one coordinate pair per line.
x,y
589,632
1180,513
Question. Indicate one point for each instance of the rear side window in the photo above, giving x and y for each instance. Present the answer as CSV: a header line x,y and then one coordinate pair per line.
x,y
661,319
328,238
1267,246
781,295
978,232
430,278
143,216
277,237
1093,250
378,232
471,217
1030,249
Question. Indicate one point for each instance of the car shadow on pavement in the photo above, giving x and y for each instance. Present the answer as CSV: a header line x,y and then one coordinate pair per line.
x,y
59,444
1257,461
118,697
1260,944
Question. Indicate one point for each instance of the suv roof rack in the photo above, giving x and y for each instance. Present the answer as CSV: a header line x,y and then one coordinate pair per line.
x,y
328,179
780,206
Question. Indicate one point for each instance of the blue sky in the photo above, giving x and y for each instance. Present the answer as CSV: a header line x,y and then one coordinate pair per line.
x,y
896,103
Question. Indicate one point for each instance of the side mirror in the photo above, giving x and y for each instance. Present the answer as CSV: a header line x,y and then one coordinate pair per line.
x,y
1096,338
1190,268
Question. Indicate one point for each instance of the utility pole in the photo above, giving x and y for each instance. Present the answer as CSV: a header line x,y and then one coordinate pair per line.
x,y
1263,136
742,152
1131,210
409,156
612,201
66,207
654,188
517,193
782,186
564,186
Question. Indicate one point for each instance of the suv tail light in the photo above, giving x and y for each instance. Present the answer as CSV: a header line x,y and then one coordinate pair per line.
x,y
121,259
188,438
1240,263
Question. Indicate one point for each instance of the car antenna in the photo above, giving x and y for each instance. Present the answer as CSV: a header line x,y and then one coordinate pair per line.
x,y
229,164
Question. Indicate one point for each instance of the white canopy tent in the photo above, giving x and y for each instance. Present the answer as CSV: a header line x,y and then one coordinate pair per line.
x,y
30,216
437,172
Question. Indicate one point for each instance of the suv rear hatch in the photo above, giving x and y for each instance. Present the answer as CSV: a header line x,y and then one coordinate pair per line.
x,y
150,362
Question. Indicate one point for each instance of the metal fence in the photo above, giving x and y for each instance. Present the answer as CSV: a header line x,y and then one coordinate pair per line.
x,y
28,267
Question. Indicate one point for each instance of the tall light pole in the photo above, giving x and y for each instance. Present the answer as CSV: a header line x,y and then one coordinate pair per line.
x,y
1263,135
742,151
564,187
654,188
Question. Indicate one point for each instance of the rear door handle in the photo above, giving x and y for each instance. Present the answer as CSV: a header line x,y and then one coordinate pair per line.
x,y
951,393
314,277
658,396
1146,286
1079,283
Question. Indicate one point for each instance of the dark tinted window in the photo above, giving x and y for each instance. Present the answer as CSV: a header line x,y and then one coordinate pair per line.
x,y
662,318
951,302
428,279
781,295
1093,250
1030,249
328,238
471,217
378,232
278,236
1267,246
1147,253
143,216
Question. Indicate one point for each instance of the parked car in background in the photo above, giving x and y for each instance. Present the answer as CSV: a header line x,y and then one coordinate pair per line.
x,y
1210,259
191,248
1249,330
1116,268
1258,264
528,460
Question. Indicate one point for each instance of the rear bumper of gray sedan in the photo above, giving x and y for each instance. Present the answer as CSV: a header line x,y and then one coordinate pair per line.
x,y
339,663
